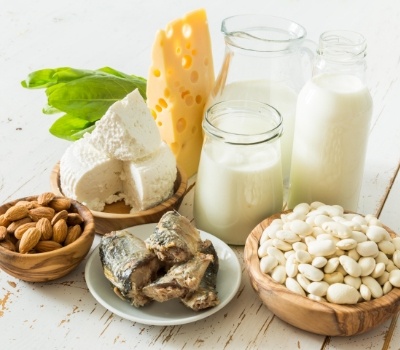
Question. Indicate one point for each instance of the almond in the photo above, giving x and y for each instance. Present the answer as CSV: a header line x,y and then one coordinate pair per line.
x,y
74,219
29,240
27,204
59,204
3,233
63,214
42,212
4,221
8,244
74,232
16,212
60,230
45,198
45,228
47,246
19,232
15,224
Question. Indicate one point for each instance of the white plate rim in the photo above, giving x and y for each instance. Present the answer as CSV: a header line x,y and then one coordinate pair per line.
x,y
227,285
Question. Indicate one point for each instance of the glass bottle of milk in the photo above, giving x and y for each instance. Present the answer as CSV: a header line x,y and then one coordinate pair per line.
x,y
333,117
239,181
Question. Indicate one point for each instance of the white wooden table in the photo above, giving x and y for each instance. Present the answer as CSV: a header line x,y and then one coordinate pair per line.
x,y
95,33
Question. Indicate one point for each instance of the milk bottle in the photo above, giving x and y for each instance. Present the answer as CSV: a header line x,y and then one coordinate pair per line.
x,y
239,181
333,116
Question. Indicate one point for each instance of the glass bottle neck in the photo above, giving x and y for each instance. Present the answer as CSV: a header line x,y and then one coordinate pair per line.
x,y
341,52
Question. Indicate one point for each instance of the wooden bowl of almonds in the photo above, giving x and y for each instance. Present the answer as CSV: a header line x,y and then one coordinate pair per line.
x,y
325,271
44,237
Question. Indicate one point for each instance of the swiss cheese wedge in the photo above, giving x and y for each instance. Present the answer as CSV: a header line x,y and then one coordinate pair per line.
x,y
179,82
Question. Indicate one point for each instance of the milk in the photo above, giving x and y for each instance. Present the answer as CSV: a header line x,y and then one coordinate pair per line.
x,y
238,185
330,141
278,95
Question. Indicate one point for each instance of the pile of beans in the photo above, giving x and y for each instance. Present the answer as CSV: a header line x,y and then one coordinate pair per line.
x,y
321,252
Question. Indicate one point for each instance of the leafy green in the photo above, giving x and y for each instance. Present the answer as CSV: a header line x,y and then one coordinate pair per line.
x,y
83,95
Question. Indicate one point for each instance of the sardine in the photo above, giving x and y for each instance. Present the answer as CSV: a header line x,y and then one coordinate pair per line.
x,y
180,279
205,296
128,265
175,239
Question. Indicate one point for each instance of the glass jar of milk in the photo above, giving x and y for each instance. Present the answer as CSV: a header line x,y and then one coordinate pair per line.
x,y
266,59
333,117
239,181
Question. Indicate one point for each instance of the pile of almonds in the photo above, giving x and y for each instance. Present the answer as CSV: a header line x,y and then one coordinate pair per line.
x,y
40,225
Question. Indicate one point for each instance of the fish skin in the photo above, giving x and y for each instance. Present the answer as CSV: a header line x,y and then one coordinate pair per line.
x,y
174,240
206,295
128,265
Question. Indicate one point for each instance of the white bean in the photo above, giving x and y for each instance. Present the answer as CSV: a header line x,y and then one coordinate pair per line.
x,y
267,264
367,265
377,233
281,244
359,236
353,281
320,219
373,285
368,248
396,242
318,288
277,254
352,253
303,257
322,248
365,292
337,229
396,258
294,286
311,273
303,281
382,257
287,236
379,270
340,293
387,287
394,278
347,244
334,277
351,266
263,248
382,279
386,247
299,246
270,232
331,265
291,268
315,297
302,208
319,261
278,274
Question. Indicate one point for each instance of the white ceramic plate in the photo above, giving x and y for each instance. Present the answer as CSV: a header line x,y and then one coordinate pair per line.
x,y
171,312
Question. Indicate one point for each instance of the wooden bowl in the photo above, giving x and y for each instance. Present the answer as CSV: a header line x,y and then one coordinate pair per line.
x,y
317,317
116,216
42,267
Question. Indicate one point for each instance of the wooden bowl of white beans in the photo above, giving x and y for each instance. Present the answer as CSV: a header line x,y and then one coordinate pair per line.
x,y
325,271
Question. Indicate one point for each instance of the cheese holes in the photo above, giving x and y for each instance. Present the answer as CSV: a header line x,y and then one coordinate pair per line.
x,y
162,103
186,61
186,30
156,73
199,99
181,125
194,77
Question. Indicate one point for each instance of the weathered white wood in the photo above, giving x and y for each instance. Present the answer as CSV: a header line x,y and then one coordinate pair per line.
x,y
95,33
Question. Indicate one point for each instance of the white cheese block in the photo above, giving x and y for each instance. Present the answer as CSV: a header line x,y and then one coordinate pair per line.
x,y
89,176
151,180
127,131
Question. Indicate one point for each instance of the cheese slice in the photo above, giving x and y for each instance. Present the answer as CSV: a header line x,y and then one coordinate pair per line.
x,y
127,131
151,180
89,176
179,82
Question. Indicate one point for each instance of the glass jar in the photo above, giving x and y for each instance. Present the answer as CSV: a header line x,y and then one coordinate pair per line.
x,y
333,118
239,181
267,59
